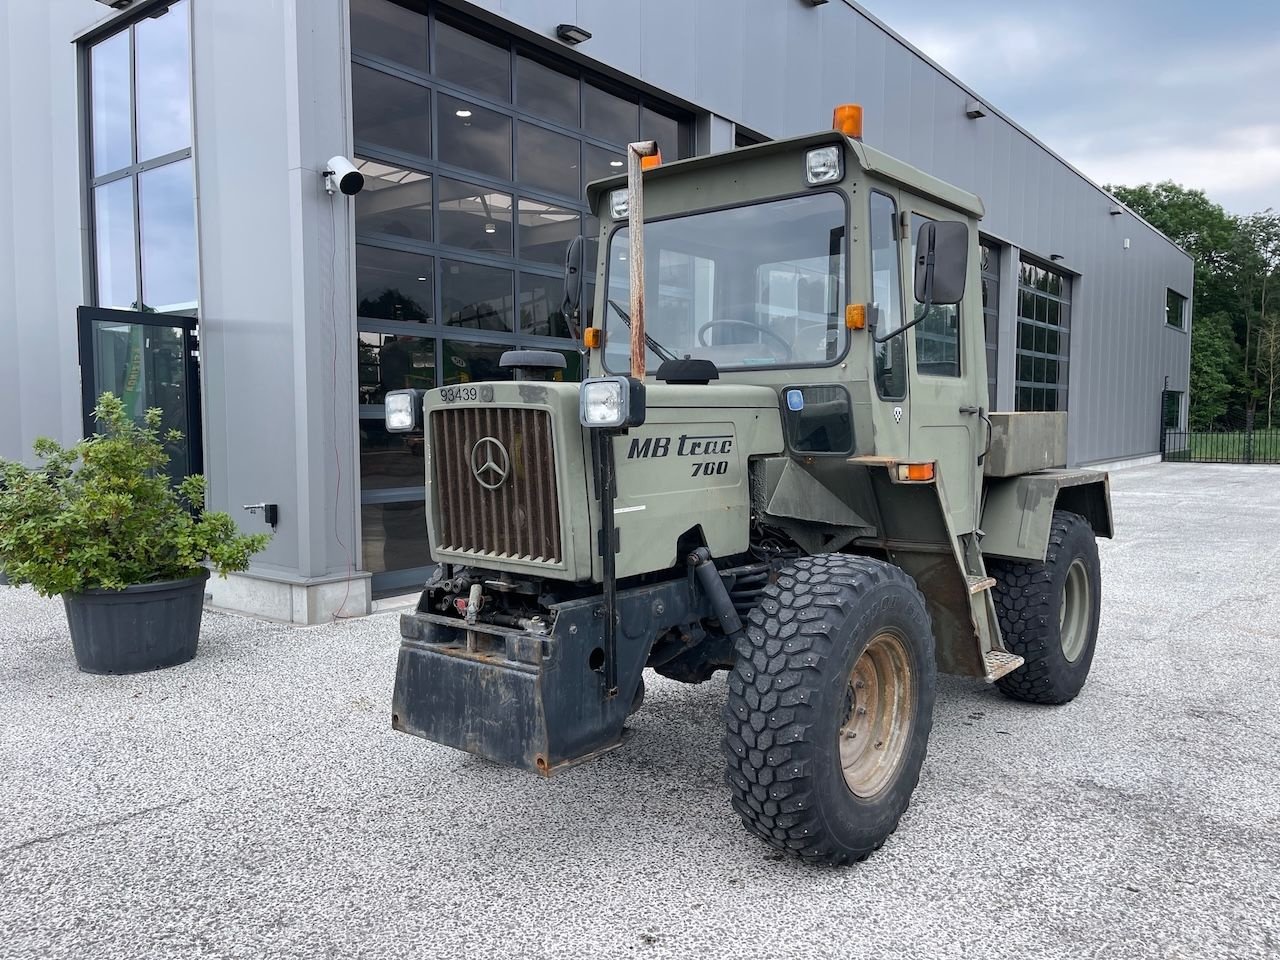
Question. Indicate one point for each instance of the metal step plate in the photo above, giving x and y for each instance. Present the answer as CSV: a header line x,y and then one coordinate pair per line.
x,y
978,583
999,663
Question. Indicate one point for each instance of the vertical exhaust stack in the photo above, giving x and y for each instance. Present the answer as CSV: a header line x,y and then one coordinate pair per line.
x,y
641,156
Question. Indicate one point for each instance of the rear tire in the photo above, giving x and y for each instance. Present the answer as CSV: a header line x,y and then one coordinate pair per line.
x,y
830,706
1049,613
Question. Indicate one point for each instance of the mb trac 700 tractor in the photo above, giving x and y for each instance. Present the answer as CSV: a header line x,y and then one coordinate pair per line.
x,y
780,464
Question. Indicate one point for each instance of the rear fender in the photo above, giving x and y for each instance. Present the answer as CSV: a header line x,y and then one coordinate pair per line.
x,y
1018,511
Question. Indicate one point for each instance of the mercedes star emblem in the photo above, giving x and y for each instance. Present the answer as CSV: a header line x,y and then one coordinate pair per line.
x,y
490,463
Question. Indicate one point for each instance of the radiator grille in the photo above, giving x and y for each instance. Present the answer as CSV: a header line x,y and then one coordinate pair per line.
x,y
512,509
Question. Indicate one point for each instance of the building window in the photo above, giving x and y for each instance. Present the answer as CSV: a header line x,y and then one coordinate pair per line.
x,y
990,254
1175,310
476,151
141,175
1043,348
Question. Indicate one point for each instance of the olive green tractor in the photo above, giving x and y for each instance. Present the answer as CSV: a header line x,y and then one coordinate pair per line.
x,y
780,464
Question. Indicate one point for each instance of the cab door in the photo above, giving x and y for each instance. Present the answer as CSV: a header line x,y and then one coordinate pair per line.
x,y
948,376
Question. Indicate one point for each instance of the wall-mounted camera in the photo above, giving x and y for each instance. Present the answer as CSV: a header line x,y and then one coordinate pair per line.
x,y
341,174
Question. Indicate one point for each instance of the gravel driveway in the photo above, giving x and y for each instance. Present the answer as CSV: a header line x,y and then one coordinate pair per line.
x,y
255,803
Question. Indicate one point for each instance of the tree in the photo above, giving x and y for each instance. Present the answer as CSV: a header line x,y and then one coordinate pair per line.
x,y
1215,369
1268,364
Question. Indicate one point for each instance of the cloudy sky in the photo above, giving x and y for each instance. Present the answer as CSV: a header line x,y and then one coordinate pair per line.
x,y
1130,91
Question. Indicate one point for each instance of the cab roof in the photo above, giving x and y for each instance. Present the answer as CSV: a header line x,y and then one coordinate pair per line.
x,y
872,161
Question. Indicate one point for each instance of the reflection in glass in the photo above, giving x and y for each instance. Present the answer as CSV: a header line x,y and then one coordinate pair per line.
x,y
550,161
464,362
610,117
393,285
110,108
474,138
115,255
476,296
600,163
167,207
546,230
163,83
146,367
393,362
474,217
388,30
390,460
394,535
473,63
390,112
547,93
666,130
395,202
541,300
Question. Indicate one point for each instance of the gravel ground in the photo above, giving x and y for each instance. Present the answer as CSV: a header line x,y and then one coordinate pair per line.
x,y
254,803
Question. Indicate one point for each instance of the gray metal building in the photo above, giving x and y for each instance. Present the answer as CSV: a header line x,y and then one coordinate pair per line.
x,y
164,231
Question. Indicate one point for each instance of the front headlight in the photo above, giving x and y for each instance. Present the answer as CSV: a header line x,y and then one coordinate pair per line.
x,y
607,402
822,165
400,411
619,205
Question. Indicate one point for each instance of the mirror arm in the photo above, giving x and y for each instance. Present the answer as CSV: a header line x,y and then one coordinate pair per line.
x,y
902,329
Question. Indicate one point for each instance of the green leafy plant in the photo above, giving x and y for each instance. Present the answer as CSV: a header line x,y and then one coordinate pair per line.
x,y
114,520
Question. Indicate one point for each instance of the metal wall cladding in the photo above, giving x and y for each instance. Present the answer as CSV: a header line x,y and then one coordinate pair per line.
x,y
778,67
494,476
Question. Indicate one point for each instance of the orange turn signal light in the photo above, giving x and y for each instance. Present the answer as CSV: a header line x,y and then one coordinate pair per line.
x,y
651,161
847,119
915,472
592,338
855,316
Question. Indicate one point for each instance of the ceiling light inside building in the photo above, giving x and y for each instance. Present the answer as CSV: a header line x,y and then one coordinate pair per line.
x,y
615,163
462,113
490,228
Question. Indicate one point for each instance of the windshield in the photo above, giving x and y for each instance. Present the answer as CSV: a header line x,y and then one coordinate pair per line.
x,y
755,286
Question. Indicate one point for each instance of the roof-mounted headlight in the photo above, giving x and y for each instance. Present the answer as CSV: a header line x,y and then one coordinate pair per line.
x,y
822,165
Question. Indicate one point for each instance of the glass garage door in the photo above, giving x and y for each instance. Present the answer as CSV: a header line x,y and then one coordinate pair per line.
x,y
476,150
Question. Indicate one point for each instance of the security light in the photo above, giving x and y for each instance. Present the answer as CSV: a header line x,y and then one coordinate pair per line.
x,y
116,4
572,33
974,109
1116,210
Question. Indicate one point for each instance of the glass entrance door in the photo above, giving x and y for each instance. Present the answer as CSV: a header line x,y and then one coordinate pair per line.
x,y
148,360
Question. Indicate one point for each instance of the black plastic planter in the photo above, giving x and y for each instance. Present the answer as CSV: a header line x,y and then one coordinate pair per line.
x,y
139,628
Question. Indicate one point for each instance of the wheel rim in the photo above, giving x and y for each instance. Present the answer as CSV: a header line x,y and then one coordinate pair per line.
x,y
1073,616
880,703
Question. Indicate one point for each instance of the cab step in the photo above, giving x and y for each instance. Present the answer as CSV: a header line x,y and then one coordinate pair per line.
x,y
979,582
1000,662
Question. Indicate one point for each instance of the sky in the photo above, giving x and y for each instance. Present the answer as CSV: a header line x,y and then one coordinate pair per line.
x,y
1129,91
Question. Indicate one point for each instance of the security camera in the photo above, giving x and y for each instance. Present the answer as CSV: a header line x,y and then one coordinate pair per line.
x,y
341,173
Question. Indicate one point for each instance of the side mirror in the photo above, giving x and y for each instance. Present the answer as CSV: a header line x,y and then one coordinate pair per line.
x,y
942,261
573,276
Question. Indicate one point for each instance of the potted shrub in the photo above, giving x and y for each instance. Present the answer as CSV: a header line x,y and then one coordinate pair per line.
x,y
101,524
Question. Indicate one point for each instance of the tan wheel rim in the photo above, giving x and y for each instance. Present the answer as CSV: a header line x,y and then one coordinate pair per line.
x,y
1073,615
879,708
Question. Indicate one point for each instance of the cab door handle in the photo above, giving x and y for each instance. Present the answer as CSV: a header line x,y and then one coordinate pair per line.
x,y
978,411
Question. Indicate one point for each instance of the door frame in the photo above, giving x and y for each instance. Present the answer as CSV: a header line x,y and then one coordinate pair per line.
x,y
85,319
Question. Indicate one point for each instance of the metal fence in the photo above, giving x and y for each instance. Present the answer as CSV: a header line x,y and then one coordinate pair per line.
x,y
1239,439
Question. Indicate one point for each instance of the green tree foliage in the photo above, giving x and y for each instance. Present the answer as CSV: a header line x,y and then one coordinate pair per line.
x,y
115,520
1237,260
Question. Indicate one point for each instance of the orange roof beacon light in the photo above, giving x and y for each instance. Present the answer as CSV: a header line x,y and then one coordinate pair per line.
x,y
847,118
654,160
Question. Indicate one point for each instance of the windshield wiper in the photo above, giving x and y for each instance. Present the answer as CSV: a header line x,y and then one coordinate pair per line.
x,y
653,344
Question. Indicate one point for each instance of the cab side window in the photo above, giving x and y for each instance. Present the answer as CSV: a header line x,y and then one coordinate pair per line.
x,y
938,334
886,298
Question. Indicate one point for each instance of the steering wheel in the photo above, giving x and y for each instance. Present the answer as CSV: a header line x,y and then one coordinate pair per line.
x,y
755,327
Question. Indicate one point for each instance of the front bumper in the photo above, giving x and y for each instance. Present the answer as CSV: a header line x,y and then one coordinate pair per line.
x,y
525,699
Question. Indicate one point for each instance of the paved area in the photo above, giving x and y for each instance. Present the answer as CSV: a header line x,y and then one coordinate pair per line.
x,y
254,803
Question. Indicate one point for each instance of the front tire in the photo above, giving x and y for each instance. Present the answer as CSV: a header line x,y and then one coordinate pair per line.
x,y
1049,613
830,707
